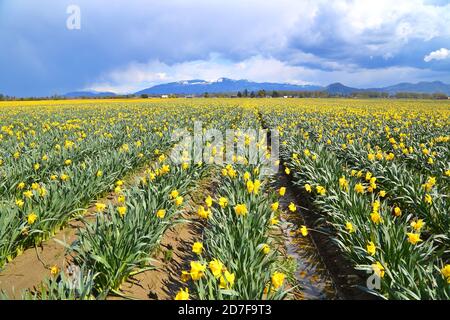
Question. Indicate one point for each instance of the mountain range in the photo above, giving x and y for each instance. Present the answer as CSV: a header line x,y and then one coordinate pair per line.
x,y
225,85
89,94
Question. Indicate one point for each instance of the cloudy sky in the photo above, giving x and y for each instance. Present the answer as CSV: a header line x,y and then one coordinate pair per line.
x,y
124,46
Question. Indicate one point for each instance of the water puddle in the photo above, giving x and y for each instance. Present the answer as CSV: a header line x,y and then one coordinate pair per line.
x,y
314,281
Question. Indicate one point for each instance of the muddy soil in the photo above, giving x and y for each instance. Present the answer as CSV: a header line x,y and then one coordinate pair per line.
x,y
28,270
175,255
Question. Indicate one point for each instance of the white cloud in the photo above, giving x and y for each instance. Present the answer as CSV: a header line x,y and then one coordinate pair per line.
x,y
137,76
440,54
305,40
355,28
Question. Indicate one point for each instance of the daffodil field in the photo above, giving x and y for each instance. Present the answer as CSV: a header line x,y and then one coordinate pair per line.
x,y
376,171
381,176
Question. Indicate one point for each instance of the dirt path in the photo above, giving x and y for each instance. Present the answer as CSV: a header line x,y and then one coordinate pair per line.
x,y
29,269
174,256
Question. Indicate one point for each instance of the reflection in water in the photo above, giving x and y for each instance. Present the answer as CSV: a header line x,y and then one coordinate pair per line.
x,y
314,281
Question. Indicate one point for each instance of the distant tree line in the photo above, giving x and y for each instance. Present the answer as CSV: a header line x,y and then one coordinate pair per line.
x,y
325,94
257,94
413,95
59,97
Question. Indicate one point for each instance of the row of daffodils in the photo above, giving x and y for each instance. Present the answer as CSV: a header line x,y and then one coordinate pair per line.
x,y
239,254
